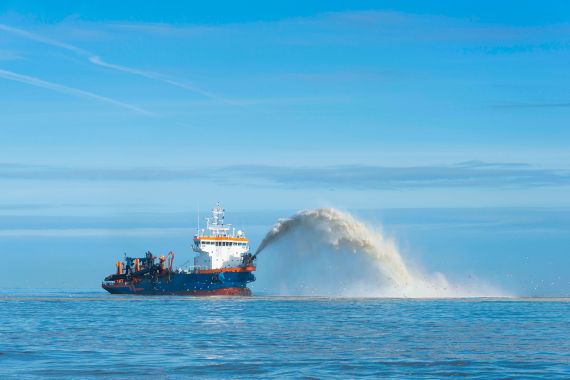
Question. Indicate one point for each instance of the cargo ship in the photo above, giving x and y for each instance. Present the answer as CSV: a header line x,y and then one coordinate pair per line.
x,y
223,266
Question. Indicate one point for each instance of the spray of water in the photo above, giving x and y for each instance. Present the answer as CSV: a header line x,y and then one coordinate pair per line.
x,y
329,252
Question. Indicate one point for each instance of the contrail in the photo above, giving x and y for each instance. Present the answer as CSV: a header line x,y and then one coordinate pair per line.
x,y
155,76
45,40
68,90
96,60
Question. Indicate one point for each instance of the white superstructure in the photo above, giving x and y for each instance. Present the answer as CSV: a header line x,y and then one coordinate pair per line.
x,y
219,246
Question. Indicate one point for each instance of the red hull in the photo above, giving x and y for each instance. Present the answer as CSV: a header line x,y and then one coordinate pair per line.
x,y
223,292
130,289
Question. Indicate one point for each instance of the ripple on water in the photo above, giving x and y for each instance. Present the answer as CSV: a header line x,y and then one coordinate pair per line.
x,y
98,336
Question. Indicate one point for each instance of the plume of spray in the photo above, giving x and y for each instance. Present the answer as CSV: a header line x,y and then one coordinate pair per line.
x,y
329,252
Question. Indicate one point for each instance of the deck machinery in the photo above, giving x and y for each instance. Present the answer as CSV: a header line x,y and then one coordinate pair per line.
x,y
223,266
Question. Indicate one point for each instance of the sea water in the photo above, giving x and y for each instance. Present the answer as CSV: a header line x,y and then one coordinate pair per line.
x,y
90,334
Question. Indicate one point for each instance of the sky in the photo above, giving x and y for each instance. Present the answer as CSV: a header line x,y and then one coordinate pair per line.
x,y
110,109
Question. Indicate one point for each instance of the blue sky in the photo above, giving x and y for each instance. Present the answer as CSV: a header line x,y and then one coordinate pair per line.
x,y
101,102
110,111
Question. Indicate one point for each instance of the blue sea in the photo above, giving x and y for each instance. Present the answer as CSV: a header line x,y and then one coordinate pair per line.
x,y
89,334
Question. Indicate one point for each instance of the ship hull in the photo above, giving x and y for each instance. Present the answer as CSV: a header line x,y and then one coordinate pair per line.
x,y
191,284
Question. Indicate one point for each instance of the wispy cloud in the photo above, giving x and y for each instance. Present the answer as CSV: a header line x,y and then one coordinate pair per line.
x,y
93,232
38,172
367,177
374,26
472,174
169,30
96,60
525,105
32,81
483,164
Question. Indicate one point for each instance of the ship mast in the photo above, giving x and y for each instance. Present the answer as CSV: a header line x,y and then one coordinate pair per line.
x,y
216,224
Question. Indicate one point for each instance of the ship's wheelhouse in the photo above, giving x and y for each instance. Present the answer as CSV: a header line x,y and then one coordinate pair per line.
x,y
219,245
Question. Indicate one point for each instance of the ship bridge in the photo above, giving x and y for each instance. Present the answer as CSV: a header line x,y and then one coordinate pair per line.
x,y
219,246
